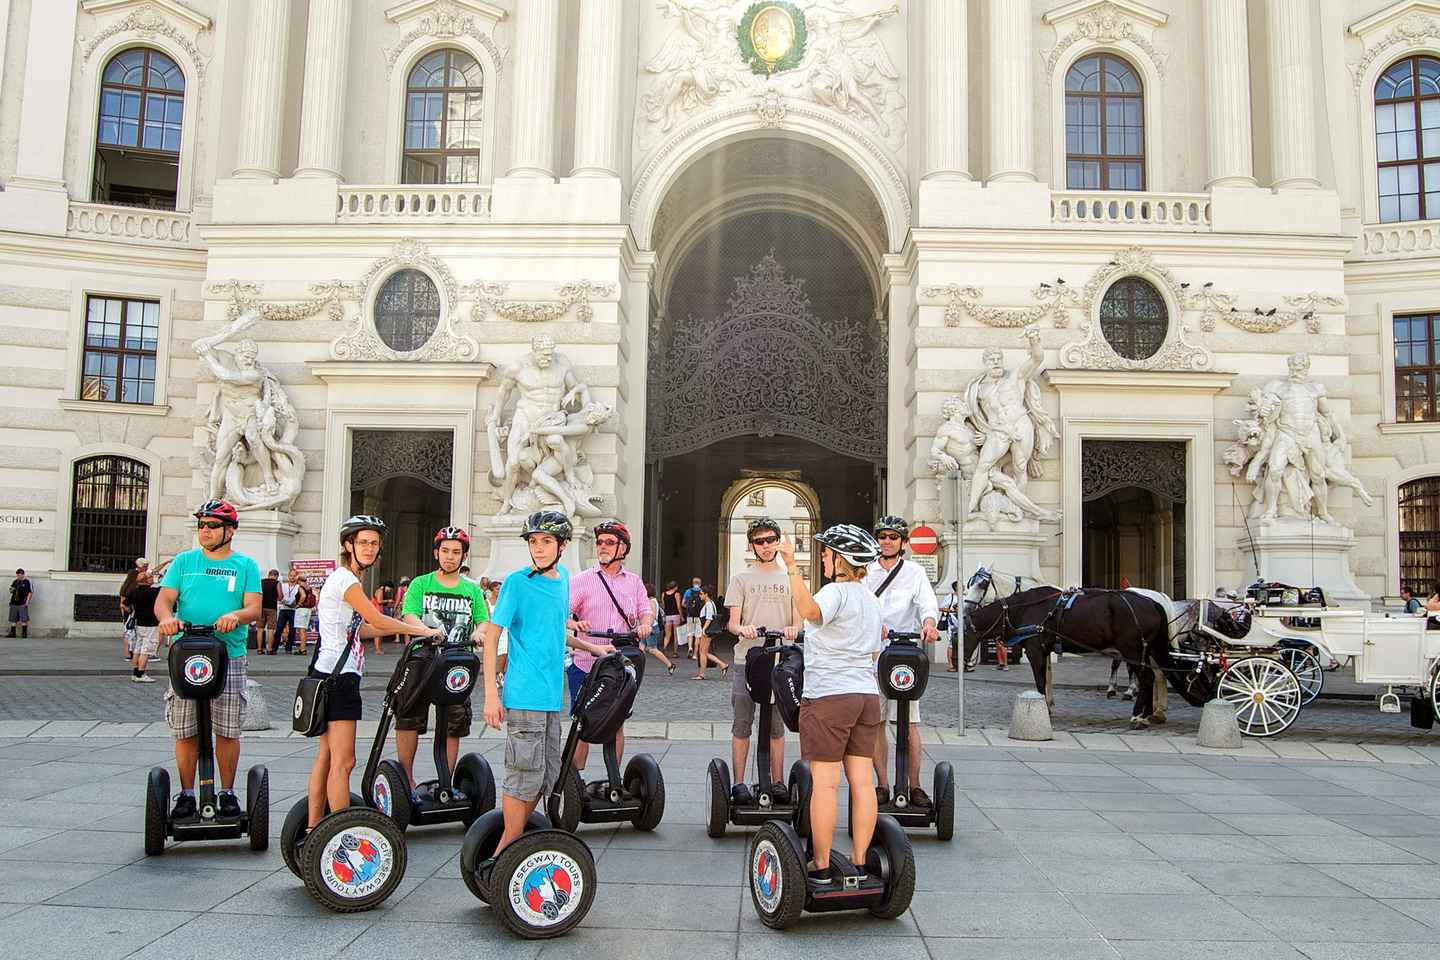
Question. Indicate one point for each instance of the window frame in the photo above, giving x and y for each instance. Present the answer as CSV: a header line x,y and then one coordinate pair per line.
x,y
1102,97
1152,83
163,293
1418,538
121,352
64,494
442,154
1132,280
496,84
1420,160
1430,368
120,560
440,312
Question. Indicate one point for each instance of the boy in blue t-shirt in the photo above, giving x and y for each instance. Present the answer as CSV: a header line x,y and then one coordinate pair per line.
x,y
534,605
211,586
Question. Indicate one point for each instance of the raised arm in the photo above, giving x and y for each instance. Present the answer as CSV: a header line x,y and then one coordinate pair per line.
x,y
1035,362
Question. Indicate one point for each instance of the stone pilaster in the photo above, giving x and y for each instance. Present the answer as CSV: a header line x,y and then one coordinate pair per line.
x,y
267,41
322,117
1227,94
947,116
1012,92
537,39
1292,93
597,89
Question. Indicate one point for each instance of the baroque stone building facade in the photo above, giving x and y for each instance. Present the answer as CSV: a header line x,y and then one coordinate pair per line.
x,y
764,236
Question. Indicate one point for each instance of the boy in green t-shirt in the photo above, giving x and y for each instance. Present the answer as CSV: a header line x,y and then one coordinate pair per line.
x,y
459,605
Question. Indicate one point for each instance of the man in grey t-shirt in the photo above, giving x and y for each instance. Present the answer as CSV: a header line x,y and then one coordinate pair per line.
x,y
757,598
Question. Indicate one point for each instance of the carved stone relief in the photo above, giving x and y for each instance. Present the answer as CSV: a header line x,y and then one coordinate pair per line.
x,y
1413,30
445,21
1109,23
489,298
361,342
149,22
325,295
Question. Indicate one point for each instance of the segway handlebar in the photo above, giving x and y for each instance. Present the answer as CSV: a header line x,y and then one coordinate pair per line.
x,y
776,635
616,637
901,635
189,629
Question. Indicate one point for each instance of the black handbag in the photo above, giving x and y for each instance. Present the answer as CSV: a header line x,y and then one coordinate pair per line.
x,y
312,694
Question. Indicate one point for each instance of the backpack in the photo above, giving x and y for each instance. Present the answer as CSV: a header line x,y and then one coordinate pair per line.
x,y
605,698
693,605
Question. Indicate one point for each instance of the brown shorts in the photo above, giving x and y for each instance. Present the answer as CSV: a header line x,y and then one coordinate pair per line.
x,y
845,725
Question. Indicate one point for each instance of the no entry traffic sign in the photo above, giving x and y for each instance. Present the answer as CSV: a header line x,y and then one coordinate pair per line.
x,y
923,540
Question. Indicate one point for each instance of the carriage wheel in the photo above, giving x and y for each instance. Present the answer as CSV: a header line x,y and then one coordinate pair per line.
x,y
1307,670
1265,693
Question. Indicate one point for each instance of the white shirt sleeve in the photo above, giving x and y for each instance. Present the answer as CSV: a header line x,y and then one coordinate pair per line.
x,y
829,600
925,598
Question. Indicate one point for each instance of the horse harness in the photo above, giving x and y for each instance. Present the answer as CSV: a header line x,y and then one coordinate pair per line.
x,y
1063,601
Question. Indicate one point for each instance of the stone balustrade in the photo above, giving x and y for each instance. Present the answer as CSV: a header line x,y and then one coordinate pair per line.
x,y
103,221
436,203
1413,238
1110,208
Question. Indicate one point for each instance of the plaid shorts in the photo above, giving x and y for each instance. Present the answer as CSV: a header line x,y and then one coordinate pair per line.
x,y
225,710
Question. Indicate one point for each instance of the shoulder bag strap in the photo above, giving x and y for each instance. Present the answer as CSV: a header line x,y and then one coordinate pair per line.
x,y
618,609
891,578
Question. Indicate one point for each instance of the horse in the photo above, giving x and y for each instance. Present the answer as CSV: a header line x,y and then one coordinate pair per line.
x,y
1124,623
1133,675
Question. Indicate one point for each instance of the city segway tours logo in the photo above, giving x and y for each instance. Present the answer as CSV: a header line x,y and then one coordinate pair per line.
x,y
199,670
380,790
356,863
902,678
765,876
546,888
457,680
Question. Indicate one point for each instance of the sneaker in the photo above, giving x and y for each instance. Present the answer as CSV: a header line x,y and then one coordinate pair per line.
x,y
597,789
919,798
143,678
882,796
823,877
229,805
741,796
779,794
184,808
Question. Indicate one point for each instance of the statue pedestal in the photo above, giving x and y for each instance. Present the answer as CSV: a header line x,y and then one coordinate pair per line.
x,y
268,538
1302,553
509,553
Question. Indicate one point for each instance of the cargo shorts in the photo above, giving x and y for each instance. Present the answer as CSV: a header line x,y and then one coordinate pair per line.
x,y
745,708
226,710
532,753
458,719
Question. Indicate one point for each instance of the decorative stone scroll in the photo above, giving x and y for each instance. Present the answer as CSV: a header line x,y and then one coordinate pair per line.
x,y
1055,300
325,295
1215,307
490,298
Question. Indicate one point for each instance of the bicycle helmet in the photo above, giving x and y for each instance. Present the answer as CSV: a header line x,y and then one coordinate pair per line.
x,y
617,530
762,523
851,542
894,524
218,510
552,522
457,534
361,521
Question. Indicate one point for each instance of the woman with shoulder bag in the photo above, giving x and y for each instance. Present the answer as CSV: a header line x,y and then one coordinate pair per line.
x,y
346,619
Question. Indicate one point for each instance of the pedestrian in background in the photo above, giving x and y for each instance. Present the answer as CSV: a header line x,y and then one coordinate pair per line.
x,y
20,593
285,608
269,613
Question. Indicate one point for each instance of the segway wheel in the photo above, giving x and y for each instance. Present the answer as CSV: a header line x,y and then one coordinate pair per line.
x,y
944,799
157,816
479,845
643,779
474,777
389,792
717,805
543,884
892,857
295,827
257,801
800,787
565,805
354,860
777,877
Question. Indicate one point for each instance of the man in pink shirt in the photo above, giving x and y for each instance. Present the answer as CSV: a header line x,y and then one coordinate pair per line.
x,y
608,597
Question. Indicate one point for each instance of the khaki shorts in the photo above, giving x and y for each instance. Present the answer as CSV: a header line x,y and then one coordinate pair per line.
x,y
744,708
532,753
225,710
147,640
267,619
457,720
845,725
889,710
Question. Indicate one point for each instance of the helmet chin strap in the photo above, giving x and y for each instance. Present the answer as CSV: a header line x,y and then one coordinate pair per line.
x,y
534,570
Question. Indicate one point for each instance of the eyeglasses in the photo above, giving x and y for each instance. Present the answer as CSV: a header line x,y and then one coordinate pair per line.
x,y
766,541
208,525
887,536
606,542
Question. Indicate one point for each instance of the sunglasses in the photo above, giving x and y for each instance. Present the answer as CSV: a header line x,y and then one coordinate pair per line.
x,y
887,536
208,525
766,541
607,542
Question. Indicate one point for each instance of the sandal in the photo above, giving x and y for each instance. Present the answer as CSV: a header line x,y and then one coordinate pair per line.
x,y
698,676
725,671
670,669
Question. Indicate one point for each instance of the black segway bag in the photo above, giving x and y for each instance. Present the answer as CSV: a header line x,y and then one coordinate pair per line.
x,y
904,670
757,674
451,675
788,682
605,698
197,667
410,683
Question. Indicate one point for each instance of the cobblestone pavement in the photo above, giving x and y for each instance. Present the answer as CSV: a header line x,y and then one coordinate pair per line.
x,y
1101,855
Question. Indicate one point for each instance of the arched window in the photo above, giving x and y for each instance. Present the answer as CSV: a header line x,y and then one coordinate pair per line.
x,y
1407,140
1134,319
444,119
1419,502
137,142
109,502
407,310
1104,125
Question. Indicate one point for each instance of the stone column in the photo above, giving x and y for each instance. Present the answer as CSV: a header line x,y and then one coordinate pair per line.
x,y
322,116
1227,94
597,89
537,39
45,104
267,37
1012,92
947,115
1292,93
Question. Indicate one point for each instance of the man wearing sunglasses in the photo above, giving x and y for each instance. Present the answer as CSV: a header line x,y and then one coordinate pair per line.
x,y
212,585
758,597
907,605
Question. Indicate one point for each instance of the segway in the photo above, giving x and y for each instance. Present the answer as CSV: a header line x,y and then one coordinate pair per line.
x,y
765,801
638,797
443,677
904,672
198,661
543,883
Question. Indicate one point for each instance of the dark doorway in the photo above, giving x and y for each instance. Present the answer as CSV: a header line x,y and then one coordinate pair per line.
x,y
1134,514
403,477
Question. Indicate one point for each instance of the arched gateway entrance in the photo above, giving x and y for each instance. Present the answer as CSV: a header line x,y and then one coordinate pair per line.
x,y
768,353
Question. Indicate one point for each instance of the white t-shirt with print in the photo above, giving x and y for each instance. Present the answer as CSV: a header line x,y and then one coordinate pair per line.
x,y
339,624
840,650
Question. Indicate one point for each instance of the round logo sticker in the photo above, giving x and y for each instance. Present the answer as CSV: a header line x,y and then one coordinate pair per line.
x,y
299,707
902,678
356,862
198,670
546,888
380,790
458,679
765,876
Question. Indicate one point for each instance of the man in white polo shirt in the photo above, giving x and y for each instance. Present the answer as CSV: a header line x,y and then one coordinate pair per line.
x,y
907,604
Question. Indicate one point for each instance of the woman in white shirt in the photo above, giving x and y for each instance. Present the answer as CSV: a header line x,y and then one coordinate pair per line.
x,y
703,656
840,715
346,619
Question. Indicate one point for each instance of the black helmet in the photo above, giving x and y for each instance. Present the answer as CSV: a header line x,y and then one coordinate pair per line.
x,y
361,521
894,524
851,542
552,522
761,523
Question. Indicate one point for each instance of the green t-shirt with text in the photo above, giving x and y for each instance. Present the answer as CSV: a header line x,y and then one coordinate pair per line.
x,y
209,589
459,608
